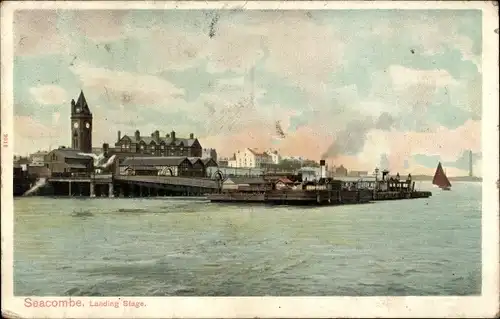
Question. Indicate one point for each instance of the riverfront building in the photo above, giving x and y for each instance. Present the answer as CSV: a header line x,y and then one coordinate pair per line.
x,y
166,166
157,145
249,158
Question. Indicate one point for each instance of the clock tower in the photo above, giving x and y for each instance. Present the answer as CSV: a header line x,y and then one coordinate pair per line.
x,y
81,125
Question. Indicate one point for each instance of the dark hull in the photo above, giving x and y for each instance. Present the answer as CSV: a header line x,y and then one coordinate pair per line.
x,y
297,198
313,198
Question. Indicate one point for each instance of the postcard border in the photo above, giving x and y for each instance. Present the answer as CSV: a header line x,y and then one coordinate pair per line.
x,y
485,305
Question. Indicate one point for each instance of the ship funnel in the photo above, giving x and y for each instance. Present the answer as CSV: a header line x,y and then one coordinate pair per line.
x,y
322,169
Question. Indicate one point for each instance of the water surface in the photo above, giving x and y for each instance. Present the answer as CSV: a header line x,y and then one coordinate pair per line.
x,y
176,247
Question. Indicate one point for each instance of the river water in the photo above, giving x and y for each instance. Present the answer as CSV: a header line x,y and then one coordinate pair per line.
x,y
187,247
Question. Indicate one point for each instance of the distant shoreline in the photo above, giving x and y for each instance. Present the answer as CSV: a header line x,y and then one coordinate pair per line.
x,y
452,179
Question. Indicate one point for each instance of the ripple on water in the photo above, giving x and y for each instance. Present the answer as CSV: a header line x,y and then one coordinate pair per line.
x,y
188,248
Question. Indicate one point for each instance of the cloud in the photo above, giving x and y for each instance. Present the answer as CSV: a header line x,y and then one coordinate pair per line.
x,y
55,117
127,88
101,25
300,50
431,34
384,162
395,149
49,94
36,32
237,47
27,127
352,100
449,144
404,78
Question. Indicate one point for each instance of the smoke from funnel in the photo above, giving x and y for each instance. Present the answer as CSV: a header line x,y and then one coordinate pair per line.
x,y
351,140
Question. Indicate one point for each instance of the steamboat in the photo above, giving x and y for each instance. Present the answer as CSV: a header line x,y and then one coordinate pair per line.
x,y
293,190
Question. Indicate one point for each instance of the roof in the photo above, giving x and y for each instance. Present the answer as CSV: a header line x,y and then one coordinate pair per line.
x,y
142,168
188,142
23,161
193,160
72,153
153,161
82,103
247,180
257,153
81,99
284,180
208,160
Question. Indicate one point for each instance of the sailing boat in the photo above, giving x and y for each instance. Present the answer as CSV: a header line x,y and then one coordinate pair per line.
x,y
440,179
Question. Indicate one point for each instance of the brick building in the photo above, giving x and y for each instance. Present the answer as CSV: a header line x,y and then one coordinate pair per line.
x,y
68,162
157,145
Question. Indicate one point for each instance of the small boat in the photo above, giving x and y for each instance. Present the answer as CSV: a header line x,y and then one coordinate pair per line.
x,y
440,179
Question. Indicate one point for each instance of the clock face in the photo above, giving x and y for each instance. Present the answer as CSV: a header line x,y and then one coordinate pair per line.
x,y
75,125
78,110
87,125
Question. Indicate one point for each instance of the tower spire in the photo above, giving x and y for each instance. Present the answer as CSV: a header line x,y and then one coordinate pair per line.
x,y
81,99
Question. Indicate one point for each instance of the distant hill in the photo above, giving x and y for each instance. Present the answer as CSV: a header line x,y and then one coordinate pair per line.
x,y
452,179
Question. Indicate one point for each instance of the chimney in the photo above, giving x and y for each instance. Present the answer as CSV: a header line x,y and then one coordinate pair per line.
x,y
322,169
191,136
168,135
119,136
105,148
173,135
137,135
157,135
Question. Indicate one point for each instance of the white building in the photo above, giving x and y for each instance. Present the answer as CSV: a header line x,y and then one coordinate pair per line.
x,y
38,158
310,173
275,156
249,158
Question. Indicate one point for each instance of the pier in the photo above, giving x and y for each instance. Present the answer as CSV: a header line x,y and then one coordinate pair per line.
x,y
128,186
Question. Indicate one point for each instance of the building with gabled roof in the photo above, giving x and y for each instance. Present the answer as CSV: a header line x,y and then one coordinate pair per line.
x,y
157,145
162,165
68,162
250,158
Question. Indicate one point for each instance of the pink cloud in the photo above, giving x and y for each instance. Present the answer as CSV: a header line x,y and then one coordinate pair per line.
x,y
27,127
400,146
447,143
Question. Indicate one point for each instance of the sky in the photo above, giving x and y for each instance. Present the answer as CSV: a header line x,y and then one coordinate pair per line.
x,y
362,88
